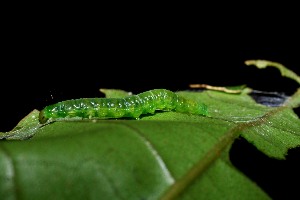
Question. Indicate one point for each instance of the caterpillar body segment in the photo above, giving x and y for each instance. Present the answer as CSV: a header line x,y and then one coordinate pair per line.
x,y
131,106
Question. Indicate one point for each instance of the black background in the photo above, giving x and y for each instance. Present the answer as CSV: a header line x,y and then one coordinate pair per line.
x,y
46,61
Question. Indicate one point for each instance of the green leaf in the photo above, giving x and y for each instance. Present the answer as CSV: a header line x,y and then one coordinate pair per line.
x,y
261,64
167,155
120,159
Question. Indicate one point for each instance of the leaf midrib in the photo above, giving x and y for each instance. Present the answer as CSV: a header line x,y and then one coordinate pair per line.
x,y
214,153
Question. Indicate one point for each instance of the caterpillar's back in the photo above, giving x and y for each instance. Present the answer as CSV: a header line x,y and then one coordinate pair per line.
x,y
131,106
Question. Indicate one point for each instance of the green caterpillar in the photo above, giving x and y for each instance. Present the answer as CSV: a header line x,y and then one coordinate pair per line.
x,y
131,106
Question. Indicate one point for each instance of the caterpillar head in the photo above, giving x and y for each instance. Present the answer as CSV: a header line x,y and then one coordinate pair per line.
x,y
42,118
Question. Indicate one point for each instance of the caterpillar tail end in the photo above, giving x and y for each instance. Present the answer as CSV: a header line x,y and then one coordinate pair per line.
x,y
42,118
204,110
201,109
